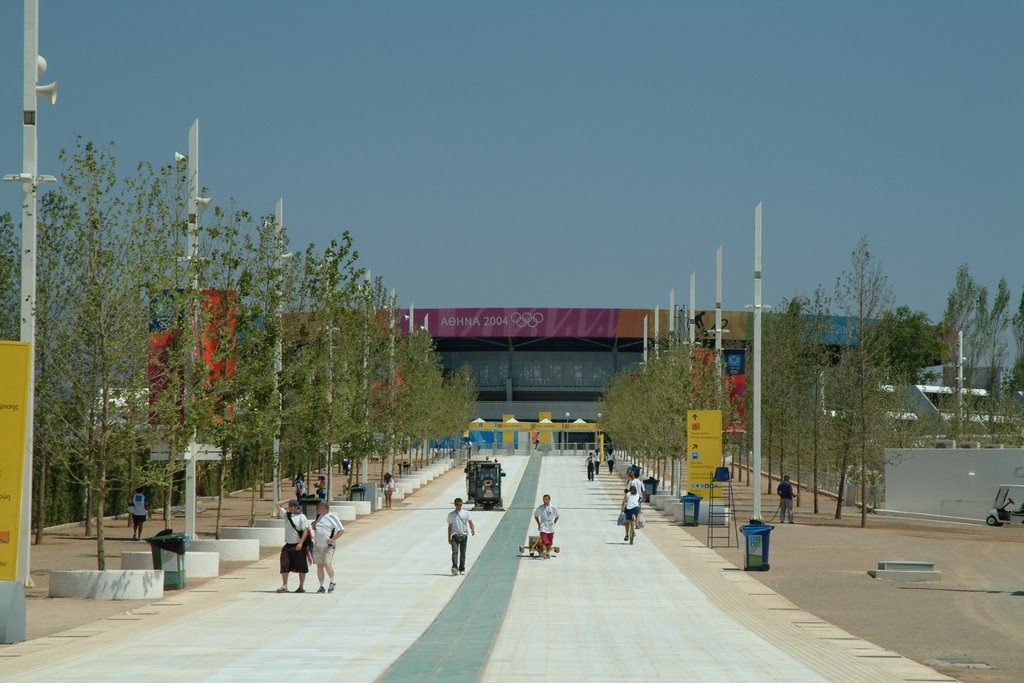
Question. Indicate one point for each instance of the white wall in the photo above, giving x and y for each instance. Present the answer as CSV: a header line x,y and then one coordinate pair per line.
x,y
949,482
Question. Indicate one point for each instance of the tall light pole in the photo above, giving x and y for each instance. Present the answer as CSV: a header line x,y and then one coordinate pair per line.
x,y
34,66
195,204
718,324
693,305
756,464
278,365
12,623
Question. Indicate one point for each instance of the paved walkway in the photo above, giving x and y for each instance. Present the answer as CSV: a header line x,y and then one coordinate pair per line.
x,y
665,609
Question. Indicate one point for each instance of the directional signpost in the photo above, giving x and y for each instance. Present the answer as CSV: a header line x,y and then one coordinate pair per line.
x,y
196,451
704,450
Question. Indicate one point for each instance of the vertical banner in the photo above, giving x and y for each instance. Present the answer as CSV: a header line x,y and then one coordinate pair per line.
x,y
703,450
15,358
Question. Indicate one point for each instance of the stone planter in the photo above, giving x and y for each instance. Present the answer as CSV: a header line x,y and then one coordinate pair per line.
x,y
109,584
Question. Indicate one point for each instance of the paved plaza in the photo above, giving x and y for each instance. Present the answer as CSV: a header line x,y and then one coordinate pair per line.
x,y
665,609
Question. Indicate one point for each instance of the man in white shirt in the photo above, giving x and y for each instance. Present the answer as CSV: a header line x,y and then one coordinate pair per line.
x,y
460,526
327,528
546,516
294,557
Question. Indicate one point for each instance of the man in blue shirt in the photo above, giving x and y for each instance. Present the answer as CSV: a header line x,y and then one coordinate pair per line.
x,y
785,491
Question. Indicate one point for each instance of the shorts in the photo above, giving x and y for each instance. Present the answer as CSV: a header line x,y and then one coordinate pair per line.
x,y
547,538
294,559
139,519
323,554
632,512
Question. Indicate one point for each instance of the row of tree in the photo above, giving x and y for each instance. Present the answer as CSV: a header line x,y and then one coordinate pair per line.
x,y
144,342
830,407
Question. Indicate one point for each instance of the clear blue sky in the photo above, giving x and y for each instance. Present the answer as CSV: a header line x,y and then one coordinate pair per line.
x,y
569,153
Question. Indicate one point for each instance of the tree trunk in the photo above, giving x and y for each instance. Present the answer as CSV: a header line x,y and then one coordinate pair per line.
x,y
221,478
101,492
88,509
40,497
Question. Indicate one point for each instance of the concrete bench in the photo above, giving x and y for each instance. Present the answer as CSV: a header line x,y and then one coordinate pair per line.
x,y
659,500
269,523
346,513
905,570
674,509
717,511
409,484
268,536
197,565
108,584
230,549
362,507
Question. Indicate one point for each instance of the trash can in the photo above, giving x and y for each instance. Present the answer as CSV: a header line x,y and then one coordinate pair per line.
x,y
168,550
649,488
691,509
357,492
308,506
755,549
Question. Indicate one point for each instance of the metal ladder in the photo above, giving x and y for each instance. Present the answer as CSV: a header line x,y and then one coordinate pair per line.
x,y
723,529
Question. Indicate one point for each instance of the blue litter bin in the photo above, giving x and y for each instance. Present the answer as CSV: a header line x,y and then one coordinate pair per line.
x,y
755,549
691,509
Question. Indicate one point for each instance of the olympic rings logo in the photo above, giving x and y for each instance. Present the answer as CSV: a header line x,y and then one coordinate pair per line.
x,y
526,319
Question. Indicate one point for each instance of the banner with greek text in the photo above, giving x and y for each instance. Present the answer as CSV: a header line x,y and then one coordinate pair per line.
x,y
15,361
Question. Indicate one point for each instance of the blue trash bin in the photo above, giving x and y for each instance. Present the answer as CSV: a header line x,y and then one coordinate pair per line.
x,y
755,549
691,509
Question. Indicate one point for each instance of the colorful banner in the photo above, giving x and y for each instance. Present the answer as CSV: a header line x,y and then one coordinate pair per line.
x,y
704,450
15,365
606,323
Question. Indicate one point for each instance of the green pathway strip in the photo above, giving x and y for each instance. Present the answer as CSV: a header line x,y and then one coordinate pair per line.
x,y
455,647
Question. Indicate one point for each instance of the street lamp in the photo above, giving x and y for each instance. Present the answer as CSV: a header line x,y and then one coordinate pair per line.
x,y
34,66
196,204
756,445
278,365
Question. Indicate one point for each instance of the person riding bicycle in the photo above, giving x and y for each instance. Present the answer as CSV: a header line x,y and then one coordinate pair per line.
x,y
631,506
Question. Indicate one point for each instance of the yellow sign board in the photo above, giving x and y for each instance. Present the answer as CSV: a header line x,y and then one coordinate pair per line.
x,y
543,416
703,450
15,363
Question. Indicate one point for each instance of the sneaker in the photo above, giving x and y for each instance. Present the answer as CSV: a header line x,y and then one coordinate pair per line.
x,y
321,590
282,589
300,589
462,571
330,587
455,571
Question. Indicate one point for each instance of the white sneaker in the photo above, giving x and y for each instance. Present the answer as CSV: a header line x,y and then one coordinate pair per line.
x,y
455,571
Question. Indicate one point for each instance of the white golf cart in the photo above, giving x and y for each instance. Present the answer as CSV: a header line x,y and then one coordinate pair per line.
x,y
1005,510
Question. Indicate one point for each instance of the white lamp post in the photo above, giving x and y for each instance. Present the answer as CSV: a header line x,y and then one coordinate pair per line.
x,y
278,365
756,464
195,204
693,306
34,66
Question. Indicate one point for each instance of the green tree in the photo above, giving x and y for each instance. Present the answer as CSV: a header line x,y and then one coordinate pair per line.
x,y
862,404
911,343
